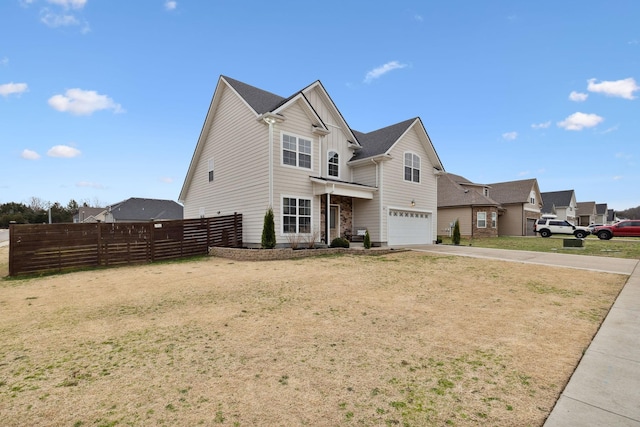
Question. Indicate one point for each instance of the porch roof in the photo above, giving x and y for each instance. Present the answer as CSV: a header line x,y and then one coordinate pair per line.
x,y
341,188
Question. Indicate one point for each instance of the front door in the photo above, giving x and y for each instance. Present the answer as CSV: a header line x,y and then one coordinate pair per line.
x,y
334,222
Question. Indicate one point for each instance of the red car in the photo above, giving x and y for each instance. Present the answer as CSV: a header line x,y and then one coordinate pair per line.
x,y
627,228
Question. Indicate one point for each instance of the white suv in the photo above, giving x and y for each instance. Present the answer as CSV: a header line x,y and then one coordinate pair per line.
x,y
549,224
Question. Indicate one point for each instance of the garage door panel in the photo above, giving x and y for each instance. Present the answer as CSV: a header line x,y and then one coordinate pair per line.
x,y
408,227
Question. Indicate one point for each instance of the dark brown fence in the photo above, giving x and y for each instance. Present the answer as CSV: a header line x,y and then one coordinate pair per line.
x,y
43,248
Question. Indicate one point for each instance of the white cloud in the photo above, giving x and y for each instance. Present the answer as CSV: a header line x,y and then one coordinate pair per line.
x,y
166,180
578,96
83,102
54,20
29,154
170,5
624,156
579,121
510,136
382,70
12,88
418,18
524,173
4,61
90,185
67,4
617,177
544,125
618,88
63,151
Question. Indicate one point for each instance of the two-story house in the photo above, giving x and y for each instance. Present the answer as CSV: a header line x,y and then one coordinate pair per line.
x,y
298,156
563,204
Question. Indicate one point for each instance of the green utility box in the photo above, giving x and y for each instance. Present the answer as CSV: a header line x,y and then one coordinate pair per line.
x,y
573,243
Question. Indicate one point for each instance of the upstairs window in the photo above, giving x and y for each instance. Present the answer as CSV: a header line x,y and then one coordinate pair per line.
x,y
411,167
210,169
296,151
333,165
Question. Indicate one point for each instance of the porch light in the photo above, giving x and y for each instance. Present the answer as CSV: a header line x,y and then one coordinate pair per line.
x,y
413,203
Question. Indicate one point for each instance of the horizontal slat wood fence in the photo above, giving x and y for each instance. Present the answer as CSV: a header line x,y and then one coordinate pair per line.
x,y
45,248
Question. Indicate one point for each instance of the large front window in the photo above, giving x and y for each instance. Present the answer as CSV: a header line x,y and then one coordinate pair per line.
x,y
411,167
296,215
296,151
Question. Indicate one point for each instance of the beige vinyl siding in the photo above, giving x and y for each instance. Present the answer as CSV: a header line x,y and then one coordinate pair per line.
x,y
448,216
289,181
366,213
511,221
336,140
238,144
399,193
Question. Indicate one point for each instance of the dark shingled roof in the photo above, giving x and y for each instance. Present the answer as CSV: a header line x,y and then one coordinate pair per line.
x,y
556,199
260,100
512,191
601,208
373,143
451,193
379,141
137,209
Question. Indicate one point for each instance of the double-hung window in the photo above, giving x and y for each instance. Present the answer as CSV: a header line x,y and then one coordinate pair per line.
x,y
411,167
296,151
482,220
333,168
494,219
296,215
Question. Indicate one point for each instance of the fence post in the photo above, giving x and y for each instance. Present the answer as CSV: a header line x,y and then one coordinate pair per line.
x,y
12,250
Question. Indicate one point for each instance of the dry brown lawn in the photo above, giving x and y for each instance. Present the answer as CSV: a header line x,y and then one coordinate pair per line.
x,y
403,339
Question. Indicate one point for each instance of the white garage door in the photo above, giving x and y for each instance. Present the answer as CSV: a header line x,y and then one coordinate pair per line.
x,y
408,228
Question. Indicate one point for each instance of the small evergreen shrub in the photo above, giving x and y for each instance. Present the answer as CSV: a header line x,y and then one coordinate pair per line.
x,y
268,231
456,233
339,242
367,240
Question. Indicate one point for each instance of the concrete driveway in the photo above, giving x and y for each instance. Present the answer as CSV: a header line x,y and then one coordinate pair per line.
x,y
4,237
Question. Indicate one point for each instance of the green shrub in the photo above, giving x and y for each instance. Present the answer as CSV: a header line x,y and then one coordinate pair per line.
x,y
367,240
456,233
339,242
268,231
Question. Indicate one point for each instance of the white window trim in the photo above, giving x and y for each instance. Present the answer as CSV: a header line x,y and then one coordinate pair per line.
x,y
298,198
328,163
298,138
478,219
404,165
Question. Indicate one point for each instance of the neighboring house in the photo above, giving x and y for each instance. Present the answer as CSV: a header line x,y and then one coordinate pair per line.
x,y
469,203
521,203
611,217
322,179
563,204
601,214
587,213
139,210
87,215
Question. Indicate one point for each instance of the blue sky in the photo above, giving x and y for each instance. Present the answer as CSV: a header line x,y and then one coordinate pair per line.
x,y
104,100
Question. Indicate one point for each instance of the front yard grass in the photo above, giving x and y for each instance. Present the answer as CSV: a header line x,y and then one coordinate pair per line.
x,y
616,247
401,339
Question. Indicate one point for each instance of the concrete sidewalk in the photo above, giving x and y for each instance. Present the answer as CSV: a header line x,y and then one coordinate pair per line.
x,y
604,390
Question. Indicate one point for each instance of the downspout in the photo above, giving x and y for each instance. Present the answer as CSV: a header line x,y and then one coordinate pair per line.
x,y
270,121
380,192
